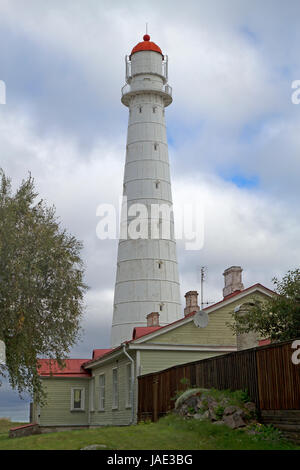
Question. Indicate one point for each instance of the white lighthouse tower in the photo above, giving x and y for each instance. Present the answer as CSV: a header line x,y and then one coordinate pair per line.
x,y
147,273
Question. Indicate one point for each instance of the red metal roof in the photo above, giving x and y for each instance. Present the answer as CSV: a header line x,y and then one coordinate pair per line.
x,y
264,342
146,45
73,368
97,353
140,331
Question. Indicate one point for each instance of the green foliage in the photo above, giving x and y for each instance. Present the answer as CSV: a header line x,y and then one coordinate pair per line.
x,y
277,318
266,432
41,285
185,381
219,411
228,397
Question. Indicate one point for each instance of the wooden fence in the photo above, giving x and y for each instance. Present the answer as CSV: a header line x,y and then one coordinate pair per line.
x,y
267,373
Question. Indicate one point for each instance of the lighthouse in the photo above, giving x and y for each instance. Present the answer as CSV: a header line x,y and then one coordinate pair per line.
x,y
147,278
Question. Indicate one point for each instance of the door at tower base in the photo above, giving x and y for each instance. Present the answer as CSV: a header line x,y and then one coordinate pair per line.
x,y
147,272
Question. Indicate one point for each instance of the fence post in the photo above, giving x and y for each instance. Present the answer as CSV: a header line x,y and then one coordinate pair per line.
x,y
155,399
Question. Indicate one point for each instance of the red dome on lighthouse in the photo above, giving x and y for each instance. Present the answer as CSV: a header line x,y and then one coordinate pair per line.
x,y
146,45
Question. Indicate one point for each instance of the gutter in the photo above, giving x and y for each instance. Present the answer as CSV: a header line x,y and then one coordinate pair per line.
x,y
132,382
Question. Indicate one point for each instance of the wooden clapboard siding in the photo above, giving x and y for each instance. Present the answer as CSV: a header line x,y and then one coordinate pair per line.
x,y
121,416
217,332
155,360
57,411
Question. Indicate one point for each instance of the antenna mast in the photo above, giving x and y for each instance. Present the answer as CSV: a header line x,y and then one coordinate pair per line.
x,y
202,271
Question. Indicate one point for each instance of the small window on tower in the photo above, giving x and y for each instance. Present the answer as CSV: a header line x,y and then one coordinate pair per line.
x,y
155,146
140,109
161,307
160,263
154,109
157,184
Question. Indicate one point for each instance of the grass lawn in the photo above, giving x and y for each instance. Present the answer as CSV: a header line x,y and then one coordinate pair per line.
x,y
170,433
6,424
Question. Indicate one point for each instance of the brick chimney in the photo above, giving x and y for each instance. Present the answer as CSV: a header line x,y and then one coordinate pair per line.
x,y
191,302
153,319
233,280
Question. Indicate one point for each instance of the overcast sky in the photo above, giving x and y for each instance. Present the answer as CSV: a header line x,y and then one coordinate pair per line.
x,y
233,130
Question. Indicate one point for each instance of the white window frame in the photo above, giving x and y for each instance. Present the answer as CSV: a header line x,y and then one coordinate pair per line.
x,y
101,393
82,408
115,392
128,384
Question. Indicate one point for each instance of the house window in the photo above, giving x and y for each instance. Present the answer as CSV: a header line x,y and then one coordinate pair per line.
x,y
102,392
115,398
129,385
77,399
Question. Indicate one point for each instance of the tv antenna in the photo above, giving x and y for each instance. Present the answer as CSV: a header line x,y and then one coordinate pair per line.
x,y
203,272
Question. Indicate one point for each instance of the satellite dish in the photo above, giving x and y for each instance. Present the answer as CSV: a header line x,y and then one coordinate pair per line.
x,y
201,319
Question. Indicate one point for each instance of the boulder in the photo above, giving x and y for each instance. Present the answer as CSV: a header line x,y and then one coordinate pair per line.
x,y
192,402
251,407
229,410
234,421
94,447
187,394
212,403
212,414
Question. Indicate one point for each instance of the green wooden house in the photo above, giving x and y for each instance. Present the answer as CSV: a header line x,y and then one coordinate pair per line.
x,y
103,390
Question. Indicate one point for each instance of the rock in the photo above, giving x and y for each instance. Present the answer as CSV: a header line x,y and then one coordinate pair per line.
x,y
251,407
191,402
234,421
199,403
199,416
218,422
212,403
94,447
240,412
187,394
212,414
229,410
182,410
